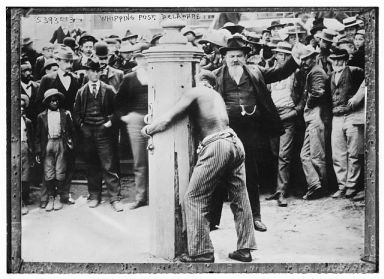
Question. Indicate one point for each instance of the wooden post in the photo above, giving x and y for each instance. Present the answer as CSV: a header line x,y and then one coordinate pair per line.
x,y
172,66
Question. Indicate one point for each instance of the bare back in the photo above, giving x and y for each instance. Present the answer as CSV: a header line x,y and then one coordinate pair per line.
x,y
208,111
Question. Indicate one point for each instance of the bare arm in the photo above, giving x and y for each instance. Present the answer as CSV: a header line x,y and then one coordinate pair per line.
x,y
162,122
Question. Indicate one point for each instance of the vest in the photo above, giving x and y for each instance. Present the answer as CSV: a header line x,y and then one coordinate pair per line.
x,y
93,115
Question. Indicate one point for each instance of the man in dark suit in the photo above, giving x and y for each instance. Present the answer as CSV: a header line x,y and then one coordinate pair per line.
x,y
108,74
68,84
29,88
252,113
41,60
92,113
316,116
60,33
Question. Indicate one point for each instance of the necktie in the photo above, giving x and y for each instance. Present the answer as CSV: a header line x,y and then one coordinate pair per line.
x,y
67,74
29,86
94,89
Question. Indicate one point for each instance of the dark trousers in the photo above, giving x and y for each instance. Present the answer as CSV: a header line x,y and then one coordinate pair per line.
x,y
283,147
248,131
99,156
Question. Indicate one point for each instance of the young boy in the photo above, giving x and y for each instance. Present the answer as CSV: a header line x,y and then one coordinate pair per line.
x,y
26,152
54,130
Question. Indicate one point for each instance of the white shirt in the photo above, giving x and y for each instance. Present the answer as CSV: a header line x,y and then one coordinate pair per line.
x,y
281,93
90,84
65,80
53,123
27,90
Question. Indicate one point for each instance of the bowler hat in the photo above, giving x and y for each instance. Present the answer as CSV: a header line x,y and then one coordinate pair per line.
x,y
93,65
26,41
284,47
70,42
25,97
328,35
64,53
339,54
87,38
317,24
52,92
351,21
236,42
233,28
101,49
275,23
49,63
308,51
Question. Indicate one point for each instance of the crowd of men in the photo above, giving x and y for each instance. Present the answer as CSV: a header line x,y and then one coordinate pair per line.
x,y
295,92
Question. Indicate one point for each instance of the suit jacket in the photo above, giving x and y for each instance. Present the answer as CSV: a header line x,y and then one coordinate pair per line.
x,y
107,102
317,95
30,136
59,36
114,77
260,77
349,83
33,109
67,131
53,81
38,68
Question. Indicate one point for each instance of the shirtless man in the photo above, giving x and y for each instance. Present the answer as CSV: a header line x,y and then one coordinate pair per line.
x,y
220,156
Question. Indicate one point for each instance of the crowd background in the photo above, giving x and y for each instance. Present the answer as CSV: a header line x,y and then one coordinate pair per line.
x,y
117,41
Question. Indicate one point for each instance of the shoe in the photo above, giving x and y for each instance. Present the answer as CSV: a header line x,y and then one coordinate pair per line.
x,y
360,196
350,193
43,204
213,227
274,196
281,201
67,201
242,255
93,203
138,204
116,205
339,194
57,205
259,226
49,206
205,258
24,209
313,193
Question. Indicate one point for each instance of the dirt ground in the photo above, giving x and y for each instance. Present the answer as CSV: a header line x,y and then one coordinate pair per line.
x,y
324,230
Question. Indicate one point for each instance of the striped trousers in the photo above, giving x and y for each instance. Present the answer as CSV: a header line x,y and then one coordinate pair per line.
x,y
221,157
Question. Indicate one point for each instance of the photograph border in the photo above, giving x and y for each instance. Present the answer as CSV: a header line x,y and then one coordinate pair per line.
x,y
15,263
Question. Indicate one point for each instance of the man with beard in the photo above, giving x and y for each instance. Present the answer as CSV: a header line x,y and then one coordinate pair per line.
x,y
316,115
347,123
251,112
67,83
